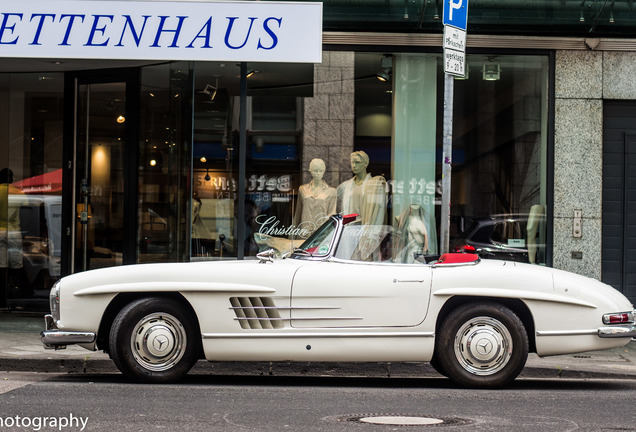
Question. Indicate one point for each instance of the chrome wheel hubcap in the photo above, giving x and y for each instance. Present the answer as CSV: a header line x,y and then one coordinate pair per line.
x,y
483,346
158,341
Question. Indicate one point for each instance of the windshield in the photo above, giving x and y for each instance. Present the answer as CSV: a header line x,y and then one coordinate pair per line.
x,y
319,243
368,243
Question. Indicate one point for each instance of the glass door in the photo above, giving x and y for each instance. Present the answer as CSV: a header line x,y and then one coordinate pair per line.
x,y
103,169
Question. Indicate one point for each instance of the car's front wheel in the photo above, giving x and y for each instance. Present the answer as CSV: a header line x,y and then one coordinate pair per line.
x,y
154,340
482,345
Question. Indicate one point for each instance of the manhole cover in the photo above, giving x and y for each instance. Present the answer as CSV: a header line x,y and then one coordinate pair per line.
x,y
403,420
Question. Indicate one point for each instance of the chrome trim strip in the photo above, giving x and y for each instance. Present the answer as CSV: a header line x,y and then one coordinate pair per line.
x,y
285,308
480,41
304,334
567,332
295,319
235,289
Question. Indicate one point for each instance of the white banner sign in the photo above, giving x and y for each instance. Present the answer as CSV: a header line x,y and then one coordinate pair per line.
x,y
162,30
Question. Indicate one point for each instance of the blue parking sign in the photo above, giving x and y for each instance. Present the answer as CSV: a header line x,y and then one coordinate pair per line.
x,y
456,13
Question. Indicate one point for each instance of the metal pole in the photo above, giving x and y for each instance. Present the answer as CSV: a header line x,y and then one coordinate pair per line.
x,y
240,232
447,152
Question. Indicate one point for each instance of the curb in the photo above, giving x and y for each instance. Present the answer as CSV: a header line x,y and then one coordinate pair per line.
x,y
292,369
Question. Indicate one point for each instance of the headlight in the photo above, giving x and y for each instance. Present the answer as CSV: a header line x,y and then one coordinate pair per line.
x,y
54,301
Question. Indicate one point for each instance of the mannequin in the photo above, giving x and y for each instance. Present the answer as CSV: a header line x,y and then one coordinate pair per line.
x,y
316,200
412,236
363,194
201,236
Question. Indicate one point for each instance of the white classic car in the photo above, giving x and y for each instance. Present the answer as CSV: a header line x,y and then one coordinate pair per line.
x,y
339,297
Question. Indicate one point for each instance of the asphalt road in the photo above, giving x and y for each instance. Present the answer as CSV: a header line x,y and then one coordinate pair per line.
x,y
220,403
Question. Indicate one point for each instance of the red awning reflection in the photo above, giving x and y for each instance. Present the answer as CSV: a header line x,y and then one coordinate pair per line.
x,y
48,183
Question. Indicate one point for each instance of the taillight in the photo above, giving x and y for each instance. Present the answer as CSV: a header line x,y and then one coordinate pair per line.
x,y
618,318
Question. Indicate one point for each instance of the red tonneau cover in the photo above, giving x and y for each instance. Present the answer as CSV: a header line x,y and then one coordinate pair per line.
x,y
455,258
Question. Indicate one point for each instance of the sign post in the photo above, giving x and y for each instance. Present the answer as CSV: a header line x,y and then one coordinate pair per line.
x,y
455,18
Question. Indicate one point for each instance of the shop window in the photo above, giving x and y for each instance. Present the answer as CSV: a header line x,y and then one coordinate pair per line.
x,y
164,162
273,153
362,132
30,188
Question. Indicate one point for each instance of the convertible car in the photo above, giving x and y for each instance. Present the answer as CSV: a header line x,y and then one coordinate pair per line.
x,y
340,296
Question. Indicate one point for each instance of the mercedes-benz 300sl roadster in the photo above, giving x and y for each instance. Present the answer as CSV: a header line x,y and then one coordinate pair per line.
x,y
343,295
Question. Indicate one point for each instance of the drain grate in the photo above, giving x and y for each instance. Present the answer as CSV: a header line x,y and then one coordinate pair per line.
x,y
403,420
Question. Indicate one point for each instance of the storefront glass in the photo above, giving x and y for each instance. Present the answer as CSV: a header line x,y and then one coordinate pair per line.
x,y
341,139
273,152
323,138
31,107
164,162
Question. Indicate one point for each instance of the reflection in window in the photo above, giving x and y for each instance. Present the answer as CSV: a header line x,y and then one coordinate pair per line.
x,y
324,113
164,161
30,188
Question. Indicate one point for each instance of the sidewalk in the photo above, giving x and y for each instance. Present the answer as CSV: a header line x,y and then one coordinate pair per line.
x,y
21,350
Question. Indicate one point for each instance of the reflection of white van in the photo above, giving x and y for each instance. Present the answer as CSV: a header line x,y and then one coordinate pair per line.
x,y
41,227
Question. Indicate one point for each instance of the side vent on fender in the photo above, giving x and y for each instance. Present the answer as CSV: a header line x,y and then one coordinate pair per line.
x,y
256,312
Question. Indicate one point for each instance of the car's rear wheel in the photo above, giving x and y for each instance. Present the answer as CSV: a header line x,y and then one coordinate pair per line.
x,y
154,340
482,345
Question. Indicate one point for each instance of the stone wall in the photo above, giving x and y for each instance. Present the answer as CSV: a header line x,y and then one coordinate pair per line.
x,y
582,80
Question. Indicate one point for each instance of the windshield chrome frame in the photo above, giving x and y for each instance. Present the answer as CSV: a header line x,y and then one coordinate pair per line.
x,y
338,219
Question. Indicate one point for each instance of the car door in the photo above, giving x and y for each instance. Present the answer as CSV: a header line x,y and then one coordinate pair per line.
x,y
332,294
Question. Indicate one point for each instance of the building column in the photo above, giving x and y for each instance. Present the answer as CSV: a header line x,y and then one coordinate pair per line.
x,y
329,116
578,161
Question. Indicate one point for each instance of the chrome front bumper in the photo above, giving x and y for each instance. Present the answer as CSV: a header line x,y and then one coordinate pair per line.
x,y
53,338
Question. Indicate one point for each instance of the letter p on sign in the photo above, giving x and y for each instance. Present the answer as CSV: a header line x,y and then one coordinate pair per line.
x,y
456,13
453,5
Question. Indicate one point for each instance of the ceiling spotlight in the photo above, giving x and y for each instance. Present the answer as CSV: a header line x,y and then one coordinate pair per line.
x,y
121,119
383,76
387,65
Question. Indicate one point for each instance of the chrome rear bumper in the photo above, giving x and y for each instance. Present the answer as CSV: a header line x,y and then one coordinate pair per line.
x,y
53,338
617,331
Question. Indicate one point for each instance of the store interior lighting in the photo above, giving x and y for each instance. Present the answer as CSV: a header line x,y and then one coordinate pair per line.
x,y
211,90
387,65
491,71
